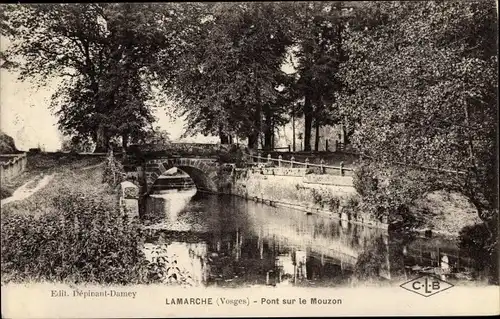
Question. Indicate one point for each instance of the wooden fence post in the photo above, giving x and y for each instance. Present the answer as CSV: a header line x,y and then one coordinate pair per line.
x,y
268,159
291,161
258,156
307,162
322,163
279,160
342,168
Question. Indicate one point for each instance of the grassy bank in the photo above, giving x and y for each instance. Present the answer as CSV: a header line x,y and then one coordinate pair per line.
x,y
69,176
72,231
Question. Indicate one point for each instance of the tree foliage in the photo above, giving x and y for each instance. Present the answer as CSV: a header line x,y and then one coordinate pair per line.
x,y
154,135
421,82
76,144
233,69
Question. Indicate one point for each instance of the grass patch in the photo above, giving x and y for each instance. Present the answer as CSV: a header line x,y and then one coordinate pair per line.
x,y
79,239
21,179
5,192
450,212
65,181
41,164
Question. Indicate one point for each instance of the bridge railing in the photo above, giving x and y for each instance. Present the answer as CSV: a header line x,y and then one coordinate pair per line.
x,y
277,149
268,160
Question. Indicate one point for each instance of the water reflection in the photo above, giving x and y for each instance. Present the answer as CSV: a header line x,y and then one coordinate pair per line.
x,y
227,241
171,204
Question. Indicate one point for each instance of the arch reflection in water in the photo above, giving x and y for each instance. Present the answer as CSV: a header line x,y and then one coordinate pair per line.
x,y
175,188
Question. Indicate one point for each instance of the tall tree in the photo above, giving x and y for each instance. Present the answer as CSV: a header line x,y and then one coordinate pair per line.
x,y
317,35
104,54
232,70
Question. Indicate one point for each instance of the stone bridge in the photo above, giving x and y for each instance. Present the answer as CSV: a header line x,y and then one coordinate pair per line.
x,y
206,164
209,165
204,172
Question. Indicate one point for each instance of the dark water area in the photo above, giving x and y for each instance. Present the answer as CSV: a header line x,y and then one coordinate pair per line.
x,y
230,242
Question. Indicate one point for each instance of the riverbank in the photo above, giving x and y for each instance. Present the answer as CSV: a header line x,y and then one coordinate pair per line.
x,y
72,230
335,197
327,195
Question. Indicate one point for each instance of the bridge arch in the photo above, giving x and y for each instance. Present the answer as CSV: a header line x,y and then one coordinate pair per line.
x,y
202,171
202,179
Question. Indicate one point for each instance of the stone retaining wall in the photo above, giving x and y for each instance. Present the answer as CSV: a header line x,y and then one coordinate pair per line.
x,y
327,195
15,165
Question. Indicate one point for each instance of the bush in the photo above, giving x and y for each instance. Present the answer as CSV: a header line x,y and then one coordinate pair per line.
x,y
234,154
392,193
317,196
325,199
83,240
7,145
482,247
364,181
165,269
113,173
352,204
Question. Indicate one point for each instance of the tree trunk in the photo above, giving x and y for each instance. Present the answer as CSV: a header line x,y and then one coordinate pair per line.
x,y
293,130
316,138
346,133
102,141
224,138
308,117
272,137
268,131
268,140
253,138
125,139
252,141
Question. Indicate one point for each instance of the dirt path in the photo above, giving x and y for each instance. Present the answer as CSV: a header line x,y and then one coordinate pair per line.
x,y
25,191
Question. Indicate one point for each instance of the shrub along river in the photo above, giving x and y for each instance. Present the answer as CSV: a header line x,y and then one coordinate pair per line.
x,y
227,241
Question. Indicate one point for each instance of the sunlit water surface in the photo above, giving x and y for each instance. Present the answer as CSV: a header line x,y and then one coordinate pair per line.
x,y
227,241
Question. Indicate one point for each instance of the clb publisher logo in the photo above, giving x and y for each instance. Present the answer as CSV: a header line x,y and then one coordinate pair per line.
x,y
426,285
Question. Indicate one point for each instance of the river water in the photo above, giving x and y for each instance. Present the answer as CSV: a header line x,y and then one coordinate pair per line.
x,y
227,241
